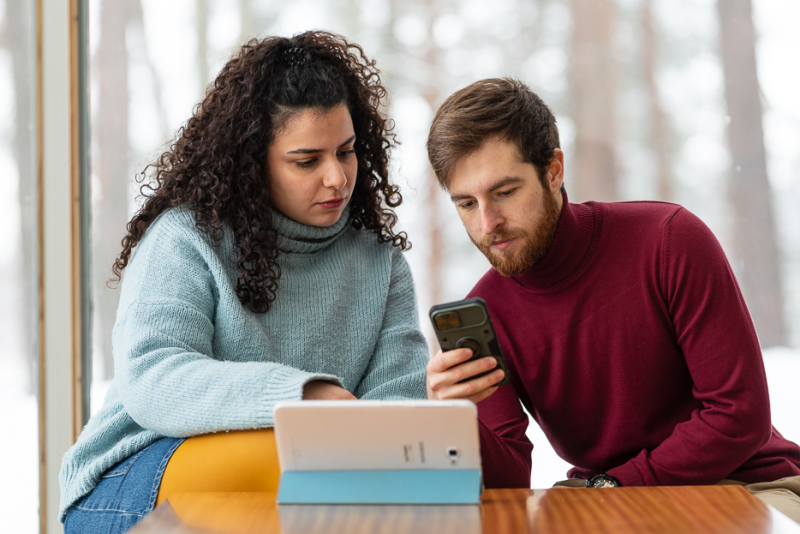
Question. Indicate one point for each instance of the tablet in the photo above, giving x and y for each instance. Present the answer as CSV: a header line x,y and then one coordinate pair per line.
x,y
378,451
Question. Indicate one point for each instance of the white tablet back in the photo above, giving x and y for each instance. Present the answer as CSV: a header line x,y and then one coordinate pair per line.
x,y
377,435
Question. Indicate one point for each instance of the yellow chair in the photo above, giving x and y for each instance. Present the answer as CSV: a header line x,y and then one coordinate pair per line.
x,y
235,461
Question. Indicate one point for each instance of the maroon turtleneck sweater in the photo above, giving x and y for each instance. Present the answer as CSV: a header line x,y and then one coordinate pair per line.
x,y
631,346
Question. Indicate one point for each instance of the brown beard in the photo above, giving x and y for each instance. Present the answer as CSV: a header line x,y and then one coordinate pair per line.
x,y
537,243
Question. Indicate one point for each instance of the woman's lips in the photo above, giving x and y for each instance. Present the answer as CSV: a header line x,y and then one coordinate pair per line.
x,y
332,204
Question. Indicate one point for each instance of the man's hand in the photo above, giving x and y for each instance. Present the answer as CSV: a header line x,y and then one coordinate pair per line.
x,y
447,369
321,390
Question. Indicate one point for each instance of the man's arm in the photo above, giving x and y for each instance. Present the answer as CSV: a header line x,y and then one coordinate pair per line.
x,y
505,449
719,343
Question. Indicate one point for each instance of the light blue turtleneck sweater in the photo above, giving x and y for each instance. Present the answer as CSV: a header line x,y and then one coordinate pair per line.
x,y
190,359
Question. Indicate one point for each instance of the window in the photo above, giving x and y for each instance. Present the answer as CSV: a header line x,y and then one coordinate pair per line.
x,y
18,270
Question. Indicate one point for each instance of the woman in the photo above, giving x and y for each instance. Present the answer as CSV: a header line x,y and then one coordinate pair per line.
x,y
262,267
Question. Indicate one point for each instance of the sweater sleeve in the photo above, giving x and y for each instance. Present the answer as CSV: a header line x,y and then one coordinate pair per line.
x,y
168,378
718,340
397,367
505,448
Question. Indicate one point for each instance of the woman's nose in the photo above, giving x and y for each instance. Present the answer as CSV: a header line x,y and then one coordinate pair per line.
x,y
335,176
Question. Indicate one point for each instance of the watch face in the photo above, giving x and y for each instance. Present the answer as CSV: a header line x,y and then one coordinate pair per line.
x,y
603,481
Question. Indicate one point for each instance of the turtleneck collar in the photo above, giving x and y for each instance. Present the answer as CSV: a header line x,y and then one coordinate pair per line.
x,y
301,238
575,242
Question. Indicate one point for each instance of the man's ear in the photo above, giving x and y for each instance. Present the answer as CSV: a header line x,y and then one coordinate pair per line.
x,y
555,170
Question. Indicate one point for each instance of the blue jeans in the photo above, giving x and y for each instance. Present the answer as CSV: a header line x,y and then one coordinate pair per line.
x,y
125,494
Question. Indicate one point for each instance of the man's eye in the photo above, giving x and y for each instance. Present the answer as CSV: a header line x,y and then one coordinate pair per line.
x,y
466,205
506,193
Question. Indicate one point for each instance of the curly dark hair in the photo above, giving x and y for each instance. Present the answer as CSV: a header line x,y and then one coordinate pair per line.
x,y
217,165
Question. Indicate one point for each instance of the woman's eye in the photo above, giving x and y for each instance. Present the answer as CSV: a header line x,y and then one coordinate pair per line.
x,y
304,164
347,153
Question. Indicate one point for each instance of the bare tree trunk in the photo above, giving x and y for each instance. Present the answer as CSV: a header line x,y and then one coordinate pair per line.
x,y
18,40
137,17
749,189
659,129
433,97
428,86
247,19
202,44
110,211
592,89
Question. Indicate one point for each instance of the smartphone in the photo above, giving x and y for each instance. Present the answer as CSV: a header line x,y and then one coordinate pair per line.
x,y
466,324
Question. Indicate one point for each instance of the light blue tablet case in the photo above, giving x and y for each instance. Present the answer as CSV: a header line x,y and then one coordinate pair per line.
x,y
324,454
424,486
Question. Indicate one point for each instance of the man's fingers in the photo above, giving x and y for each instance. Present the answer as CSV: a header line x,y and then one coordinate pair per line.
x,y
460,372
468,370
477,385
451,375
443,361
475,390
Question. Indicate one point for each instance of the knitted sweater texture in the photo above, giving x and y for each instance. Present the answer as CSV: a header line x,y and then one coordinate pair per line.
x,y
190,359
632,347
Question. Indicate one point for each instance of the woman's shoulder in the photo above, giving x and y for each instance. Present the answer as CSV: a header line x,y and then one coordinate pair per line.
x,y
174,239
384,256
174,221
369,243
176,227
174,260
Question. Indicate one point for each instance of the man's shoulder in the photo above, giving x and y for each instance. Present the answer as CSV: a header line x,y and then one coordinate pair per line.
x,y
648,219
644,210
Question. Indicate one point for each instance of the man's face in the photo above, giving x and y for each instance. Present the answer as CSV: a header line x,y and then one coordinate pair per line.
x,y
507,212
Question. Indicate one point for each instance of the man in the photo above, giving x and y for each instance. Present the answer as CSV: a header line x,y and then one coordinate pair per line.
x,y
624,330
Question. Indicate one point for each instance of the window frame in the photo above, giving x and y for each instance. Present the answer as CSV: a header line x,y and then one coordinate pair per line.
x,y
64,302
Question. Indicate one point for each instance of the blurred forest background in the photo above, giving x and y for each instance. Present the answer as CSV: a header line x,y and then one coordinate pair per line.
x,y
687,101
655,100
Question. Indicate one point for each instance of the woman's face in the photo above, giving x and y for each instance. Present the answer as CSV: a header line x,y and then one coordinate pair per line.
x,y
312,166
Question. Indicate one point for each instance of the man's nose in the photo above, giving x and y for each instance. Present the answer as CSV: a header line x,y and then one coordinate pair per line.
x,y
491,219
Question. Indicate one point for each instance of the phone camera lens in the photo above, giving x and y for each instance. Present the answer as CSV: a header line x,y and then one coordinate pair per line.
x,y
447,321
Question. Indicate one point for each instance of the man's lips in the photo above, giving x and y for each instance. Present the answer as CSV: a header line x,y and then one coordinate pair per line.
x,y
502,244
333,203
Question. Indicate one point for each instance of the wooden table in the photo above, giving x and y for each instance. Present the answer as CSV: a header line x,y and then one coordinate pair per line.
x,y
651,510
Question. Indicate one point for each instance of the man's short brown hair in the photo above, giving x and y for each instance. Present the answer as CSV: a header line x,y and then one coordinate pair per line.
x,y
501,107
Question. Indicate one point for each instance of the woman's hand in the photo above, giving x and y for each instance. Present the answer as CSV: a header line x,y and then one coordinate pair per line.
x,y
321,390
446,370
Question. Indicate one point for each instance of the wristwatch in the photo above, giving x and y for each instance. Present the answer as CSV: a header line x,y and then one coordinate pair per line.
x,y
602,481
